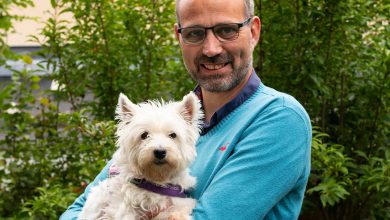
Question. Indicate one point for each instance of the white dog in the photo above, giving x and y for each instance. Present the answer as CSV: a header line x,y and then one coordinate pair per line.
x,y
156,143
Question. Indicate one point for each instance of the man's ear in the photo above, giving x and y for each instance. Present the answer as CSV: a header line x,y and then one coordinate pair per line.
x,y
255,30
177,31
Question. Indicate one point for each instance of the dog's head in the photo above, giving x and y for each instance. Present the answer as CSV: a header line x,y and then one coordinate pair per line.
x,y
156,140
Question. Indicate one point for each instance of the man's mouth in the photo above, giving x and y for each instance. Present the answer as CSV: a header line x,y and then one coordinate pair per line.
x,y
214,66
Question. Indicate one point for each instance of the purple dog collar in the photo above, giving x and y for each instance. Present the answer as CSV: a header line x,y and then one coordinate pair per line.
x,y
168,190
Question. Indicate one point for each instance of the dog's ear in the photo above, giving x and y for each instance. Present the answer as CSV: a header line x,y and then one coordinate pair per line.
x,y
190,109
125,109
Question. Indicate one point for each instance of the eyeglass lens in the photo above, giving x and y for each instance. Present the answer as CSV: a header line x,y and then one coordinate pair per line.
x,y
222,31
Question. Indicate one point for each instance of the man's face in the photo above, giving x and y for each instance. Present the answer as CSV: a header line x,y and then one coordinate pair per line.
x,y
217,66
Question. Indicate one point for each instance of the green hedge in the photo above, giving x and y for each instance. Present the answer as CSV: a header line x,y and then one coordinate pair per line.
x,y
333,56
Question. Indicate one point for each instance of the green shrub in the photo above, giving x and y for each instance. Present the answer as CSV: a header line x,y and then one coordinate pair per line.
x,y
49,202
329,175
332,55
43,148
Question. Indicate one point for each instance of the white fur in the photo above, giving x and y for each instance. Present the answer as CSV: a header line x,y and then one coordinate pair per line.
x,y
173,127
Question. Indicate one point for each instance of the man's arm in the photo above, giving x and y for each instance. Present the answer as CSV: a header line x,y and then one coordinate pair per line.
x,y
266,174
74,210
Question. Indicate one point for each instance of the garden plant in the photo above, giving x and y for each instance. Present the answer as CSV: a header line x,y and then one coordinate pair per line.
x,y
333,56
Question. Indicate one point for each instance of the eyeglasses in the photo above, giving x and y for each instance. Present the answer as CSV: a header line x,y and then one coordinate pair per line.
x,y
223,32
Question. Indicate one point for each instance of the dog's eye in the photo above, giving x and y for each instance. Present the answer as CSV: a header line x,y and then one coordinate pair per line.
x,y
144,135
172,135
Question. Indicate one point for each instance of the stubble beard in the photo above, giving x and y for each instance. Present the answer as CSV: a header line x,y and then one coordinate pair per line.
x,y
221,83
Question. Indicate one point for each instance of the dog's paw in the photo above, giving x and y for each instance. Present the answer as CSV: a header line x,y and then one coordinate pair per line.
x,y
179,216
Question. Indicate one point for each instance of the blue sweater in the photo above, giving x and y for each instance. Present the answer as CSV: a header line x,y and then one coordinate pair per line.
x,y
253,164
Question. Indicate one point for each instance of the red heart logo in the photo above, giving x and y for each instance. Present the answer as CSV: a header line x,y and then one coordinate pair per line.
x,y
222,148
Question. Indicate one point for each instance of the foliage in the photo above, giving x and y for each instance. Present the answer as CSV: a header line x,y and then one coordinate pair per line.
x,y
43,147
6,19
336,177
126,45
49,203
372,192
329,174
332,55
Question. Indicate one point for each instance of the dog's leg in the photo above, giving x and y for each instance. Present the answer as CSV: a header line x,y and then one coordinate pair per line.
x,y
182,209
179,216
96,202
182,214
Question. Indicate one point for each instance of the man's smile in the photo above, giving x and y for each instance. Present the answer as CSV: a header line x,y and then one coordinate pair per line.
x,y
214,66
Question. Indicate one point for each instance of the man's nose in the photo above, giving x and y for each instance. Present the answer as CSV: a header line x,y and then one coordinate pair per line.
x,y
211,45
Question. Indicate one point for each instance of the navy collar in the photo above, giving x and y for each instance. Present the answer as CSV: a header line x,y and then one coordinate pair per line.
x,y
250,87
167,190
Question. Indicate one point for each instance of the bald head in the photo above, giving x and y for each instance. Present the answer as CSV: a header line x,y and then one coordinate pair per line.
x,y
249,9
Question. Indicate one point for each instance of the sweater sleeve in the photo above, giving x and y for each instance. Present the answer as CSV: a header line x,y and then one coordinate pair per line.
x,y
266,173
74,210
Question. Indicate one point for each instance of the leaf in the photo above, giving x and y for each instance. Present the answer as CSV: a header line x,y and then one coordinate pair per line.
x,y
35,86
344,170
53,3
361,154
27,59
44,101
35,79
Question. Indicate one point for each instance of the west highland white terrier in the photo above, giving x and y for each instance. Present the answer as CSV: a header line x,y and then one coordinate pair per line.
x,y
156,144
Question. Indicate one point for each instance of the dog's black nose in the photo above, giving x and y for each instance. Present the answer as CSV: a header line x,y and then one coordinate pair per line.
x,y
160,154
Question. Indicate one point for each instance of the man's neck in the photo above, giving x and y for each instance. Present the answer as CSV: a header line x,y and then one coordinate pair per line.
x,y
212,101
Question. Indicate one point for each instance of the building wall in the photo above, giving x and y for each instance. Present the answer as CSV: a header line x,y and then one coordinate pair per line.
x,y
20,43
40,12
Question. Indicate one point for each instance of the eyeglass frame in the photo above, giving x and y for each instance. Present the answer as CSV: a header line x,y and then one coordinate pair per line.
x,y
240,25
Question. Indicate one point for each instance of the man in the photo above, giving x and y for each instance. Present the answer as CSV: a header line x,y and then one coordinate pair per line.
x,y
253,157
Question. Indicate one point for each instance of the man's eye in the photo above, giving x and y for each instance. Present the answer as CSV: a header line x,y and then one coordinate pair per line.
x,y
195,33
227,31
